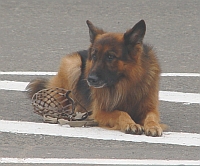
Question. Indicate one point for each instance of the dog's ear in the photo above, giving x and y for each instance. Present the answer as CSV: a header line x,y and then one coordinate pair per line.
x,y
136,34
93,31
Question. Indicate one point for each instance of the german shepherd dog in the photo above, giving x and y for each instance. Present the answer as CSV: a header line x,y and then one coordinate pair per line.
x,y
117,78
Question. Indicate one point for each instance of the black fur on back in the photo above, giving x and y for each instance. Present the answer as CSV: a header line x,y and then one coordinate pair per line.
x,y
82,85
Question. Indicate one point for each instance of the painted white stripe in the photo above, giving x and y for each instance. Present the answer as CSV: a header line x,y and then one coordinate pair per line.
x,y
179,97
30,73
13,85
97,161
163,95
180,74
176,138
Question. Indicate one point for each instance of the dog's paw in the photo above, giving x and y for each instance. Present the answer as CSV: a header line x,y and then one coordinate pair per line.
x,y
153,129
133,128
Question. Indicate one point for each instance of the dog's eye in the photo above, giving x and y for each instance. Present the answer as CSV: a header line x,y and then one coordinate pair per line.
x,y
94,57
110,57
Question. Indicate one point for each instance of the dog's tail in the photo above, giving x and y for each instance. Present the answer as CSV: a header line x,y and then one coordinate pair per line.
x,y
36,85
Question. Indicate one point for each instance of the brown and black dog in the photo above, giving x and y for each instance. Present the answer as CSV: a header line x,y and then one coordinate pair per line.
x,y
117,78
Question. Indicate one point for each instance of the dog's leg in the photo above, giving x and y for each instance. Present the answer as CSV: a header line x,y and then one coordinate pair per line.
x,y
151,124
117,120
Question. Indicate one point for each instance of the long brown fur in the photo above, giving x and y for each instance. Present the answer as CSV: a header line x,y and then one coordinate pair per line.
x,y
117,78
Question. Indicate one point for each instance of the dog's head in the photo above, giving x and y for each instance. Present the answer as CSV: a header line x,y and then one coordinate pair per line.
x,y
111,53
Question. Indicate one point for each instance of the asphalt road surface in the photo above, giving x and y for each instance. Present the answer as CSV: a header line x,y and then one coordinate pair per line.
x,y
34,35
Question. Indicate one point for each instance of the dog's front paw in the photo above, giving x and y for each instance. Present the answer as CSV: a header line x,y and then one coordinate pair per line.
x,y
153,129
133,128
127,125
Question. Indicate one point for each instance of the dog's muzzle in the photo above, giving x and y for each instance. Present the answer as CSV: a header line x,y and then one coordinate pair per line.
x,y
95,81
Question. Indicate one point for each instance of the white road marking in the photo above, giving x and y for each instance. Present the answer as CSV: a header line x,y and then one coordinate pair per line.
x,y
175,138
13,85
163,95
30,73
97,161
179,97
180,74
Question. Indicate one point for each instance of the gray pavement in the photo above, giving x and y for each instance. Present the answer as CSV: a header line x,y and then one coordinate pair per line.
x,y
36,34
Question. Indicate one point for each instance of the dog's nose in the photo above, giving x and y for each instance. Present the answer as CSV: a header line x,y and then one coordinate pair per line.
x,y
93,79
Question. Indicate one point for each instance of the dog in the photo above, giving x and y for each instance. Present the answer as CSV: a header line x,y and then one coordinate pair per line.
x,y
117,78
